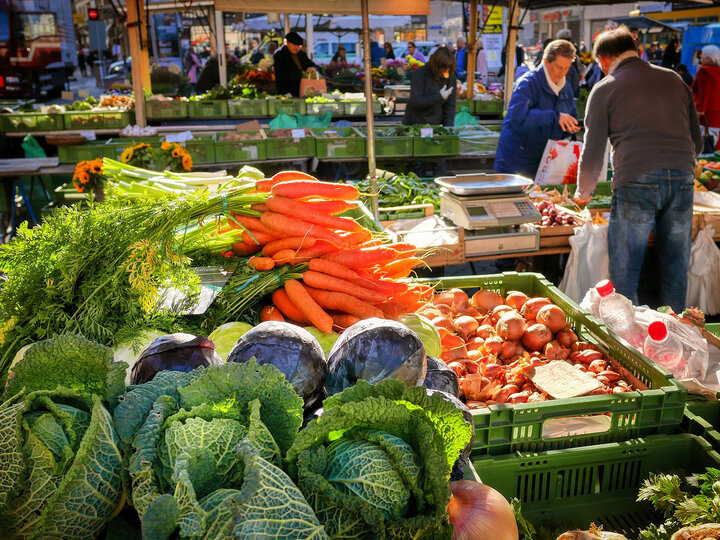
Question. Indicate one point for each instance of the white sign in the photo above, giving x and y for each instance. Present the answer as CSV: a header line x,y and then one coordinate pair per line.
x,y
493,50
298,133
426,132
181,137
89,135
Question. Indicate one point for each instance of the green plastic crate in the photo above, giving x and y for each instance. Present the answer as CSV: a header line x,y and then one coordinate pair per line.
x,y
241,108
394,146
201,149
460,103
488,106
208,109
237,150
85,152
359,108
31,122
594,484
333,107
341,142
117,146
437,145
501,429
478,140
289,106
160,110
87,120
713,328
287,147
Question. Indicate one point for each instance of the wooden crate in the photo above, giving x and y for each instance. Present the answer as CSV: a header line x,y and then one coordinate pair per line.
x,y
447,254
434,256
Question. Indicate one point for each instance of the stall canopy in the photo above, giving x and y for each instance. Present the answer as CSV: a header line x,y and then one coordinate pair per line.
x,y
645,24
324,23
338,7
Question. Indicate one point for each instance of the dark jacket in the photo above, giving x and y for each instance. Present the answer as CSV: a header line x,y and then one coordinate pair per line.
x,y
531,120
287,74
426,105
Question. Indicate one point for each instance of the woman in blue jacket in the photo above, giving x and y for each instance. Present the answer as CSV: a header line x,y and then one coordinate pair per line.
x,y
542,107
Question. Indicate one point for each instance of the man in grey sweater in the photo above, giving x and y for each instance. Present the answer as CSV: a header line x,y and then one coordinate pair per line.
x,y
649,116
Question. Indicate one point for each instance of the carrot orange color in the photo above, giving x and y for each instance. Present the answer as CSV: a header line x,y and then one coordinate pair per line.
x,y
256,237
261,264
329,207
282,302
300,297
290,226
271,313
283,176
332,268
241,249
346,303
320,248
401,268
291,207
405,249
392,310
293,242
260,207
341,321
253,223
358,238
297,189
384,286
284,256
362,257
332,283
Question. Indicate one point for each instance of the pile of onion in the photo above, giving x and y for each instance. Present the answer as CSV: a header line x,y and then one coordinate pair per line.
x,y
477,511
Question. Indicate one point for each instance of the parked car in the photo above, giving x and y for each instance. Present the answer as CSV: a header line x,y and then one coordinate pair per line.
x,y
325,50
425,47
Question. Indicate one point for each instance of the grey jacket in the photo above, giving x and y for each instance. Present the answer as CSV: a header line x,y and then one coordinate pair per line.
x,y
649,115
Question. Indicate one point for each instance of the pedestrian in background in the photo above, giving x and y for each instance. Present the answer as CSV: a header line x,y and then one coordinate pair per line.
x,y
389,53
706,89
461,59
671,55
81,62
481,68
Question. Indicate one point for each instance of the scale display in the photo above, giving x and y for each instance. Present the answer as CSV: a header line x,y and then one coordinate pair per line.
x,y
488,211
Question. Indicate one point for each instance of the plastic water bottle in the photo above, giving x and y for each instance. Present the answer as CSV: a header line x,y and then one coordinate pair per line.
x,y
666,349
618,314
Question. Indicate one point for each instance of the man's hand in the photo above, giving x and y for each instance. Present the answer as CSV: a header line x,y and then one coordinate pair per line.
x,y
311,69
579,200
568,123
445,92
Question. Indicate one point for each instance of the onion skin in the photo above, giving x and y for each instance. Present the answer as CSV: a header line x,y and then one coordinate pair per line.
x,y
516,299
485,331
499,311
551,316
532,306
455,298
511,326
486,300
536,337
566,337
478,512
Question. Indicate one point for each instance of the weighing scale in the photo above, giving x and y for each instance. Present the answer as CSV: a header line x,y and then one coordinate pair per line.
x,y
494,211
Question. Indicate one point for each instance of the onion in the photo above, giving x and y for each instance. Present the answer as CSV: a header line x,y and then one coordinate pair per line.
x,y
509,349
466,326
485,331
499,311
536,337
566,337
551,316
532,306
455,298
516,299
492,345
511,326
477,511
486,300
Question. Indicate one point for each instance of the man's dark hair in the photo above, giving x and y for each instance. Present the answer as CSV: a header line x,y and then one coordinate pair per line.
x,y
442,59
411,43
613,43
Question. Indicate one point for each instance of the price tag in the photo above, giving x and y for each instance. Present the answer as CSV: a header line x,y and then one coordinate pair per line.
x,y
426,132
67,96
181,137
89,135
298,133
83,93
561,380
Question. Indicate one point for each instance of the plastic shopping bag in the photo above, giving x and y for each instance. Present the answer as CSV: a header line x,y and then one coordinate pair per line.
x,y
464,118
589,260
283,121
703,288
313,120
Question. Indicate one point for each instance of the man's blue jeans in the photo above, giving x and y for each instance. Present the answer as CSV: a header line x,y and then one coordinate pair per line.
x,y
661,201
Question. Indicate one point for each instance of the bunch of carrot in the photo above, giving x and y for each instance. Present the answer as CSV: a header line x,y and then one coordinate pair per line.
x,y
350,275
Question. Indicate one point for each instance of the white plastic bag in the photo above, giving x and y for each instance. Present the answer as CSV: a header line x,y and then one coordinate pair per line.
x,y
588,262
703,288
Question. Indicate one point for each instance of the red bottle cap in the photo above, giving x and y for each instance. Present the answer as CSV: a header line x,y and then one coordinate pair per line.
x,y
657,330
604,288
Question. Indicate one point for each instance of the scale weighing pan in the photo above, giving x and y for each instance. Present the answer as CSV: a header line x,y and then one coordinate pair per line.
x,y
483,184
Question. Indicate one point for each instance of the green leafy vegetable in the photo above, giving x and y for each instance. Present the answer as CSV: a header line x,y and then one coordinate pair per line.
x,y
403,190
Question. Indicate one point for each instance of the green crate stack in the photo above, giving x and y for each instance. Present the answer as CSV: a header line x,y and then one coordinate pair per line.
x,y
242,108
460,103
436,145
392,146
31,122
87,120
160,110
241,150
117,146
288,147
359,108
506,428
85,152
334,107
288,105
201,149
208,109
479,139
488,106
340,142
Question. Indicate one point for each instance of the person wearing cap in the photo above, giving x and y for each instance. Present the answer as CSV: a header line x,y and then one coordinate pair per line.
x,y
290,64
654,54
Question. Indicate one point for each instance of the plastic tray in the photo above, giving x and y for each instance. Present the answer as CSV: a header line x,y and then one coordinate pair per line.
x,y
478,139
344,143
201,149
359,108
287,147
396,146
85,152
437,145
334,107
166,109
596,484
239,108
208,109
117,146
86,120
249,150
289,106
501,429
488,106
31,122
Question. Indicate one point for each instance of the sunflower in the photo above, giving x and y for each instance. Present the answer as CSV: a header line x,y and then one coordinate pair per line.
x,y
127,155
141,146
84,177
176,153
187,162
165,146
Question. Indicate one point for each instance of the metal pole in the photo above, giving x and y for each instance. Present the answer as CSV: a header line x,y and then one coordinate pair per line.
x,y
309,35
140,65
510,52
372,168
220,45
472,46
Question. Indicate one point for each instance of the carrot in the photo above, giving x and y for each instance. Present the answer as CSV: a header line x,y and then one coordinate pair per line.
x,y
362,257
290,226
392,310
342,321
284,256
260,207
411,298
281,301
283,176
372,243
271,313
404,248
332,268
253,223
358,238
380,285
261,264
293,242
321,247
297,189
241,249
257,237
292,207
300,297
332,283
329,207
344,302
402,267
